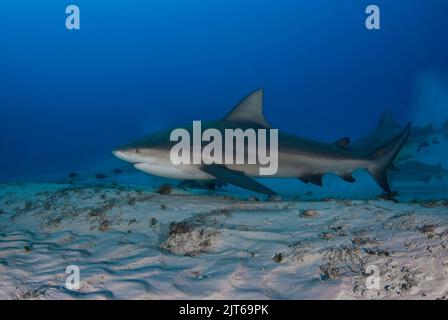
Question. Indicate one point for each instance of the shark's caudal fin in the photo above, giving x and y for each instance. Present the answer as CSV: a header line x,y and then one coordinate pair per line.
x,y
383,157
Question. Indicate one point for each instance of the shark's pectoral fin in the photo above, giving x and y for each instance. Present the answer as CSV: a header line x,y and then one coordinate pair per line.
x,y
343,143
313,178
236,178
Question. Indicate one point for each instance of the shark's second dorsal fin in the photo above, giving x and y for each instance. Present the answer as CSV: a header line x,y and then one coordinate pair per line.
x,y
250,109
387,120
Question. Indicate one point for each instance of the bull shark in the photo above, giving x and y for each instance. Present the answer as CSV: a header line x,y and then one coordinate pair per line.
x,y
419,141
298,157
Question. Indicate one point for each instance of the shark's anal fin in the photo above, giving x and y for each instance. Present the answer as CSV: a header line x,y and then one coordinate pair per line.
x,y
343,143
236,178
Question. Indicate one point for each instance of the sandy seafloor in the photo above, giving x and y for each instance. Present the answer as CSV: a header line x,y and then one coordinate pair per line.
x,y
131,242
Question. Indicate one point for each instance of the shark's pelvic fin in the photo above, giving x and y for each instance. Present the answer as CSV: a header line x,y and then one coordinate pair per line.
x,y
249,110
236,178
343,143
384,156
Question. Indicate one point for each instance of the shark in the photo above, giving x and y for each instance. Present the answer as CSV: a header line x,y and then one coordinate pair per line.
x,y
298,157
420,139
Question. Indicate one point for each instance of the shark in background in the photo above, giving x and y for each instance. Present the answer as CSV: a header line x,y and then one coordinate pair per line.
x,y
406,168
419,141
298,157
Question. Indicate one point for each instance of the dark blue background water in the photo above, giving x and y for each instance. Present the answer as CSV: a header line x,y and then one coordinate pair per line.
x,y
68,97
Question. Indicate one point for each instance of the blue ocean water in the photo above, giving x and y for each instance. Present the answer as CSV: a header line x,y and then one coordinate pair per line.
x,y
67,97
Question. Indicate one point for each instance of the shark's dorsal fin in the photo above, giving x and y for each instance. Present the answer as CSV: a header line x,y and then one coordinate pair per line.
x,y
387,120
343,143
250,109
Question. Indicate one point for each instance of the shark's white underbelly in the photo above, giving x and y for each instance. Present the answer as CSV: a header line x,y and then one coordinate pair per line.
x,y
181,172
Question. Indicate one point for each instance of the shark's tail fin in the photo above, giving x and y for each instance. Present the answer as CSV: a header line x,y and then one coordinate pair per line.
x,y
383,157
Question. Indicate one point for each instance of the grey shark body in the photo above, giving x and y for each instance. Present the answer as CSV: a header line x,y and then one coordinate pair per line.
x,y
298,157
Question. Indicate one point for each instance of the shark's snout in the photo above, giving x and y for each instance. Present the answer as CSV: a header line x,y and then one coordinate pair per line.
x,y
123,155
